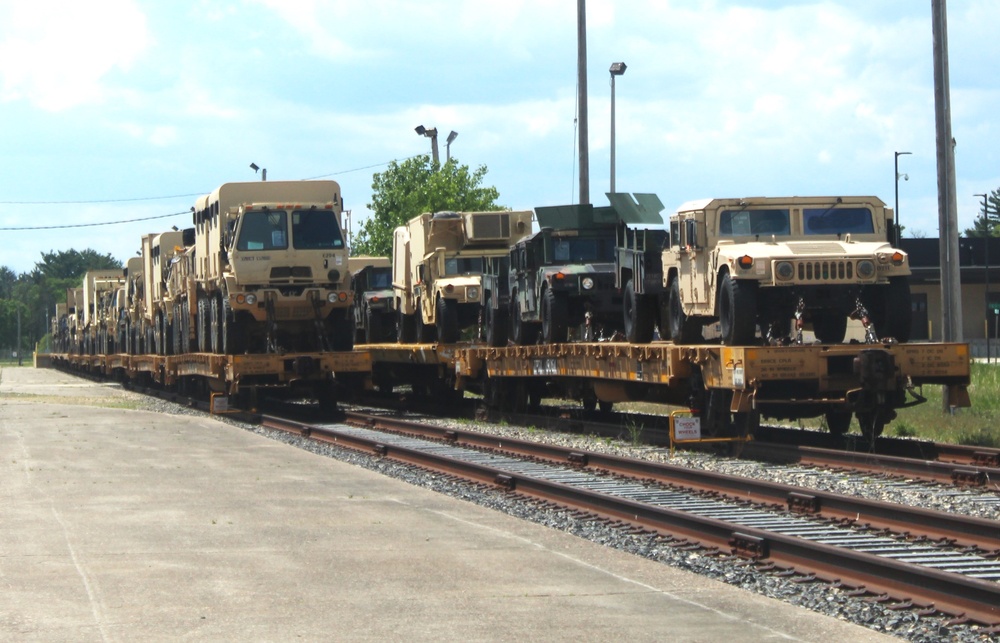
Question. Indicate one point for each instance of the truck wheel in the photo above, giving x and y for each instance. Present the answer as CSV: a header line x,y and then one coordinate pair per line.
x,y
892,312
737,311
340,330
214,313
425,333
679,327
553,318
234,336
639,319
830,328
201,321
447,320
405,329
373,327
522,332
496,324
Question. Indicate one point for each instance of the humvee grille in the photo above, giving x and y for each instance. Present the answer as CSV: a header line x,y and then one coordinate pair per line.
x,y
491,226
825,271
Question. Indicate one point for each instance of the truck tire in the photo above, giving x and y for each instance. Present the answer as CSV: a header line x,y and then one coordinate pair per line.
x,y
340,330
680,329
553,318
737,311
830,328
405,327
892,312
373,327
202,325
522,332
496,324
639,316
425,332
447,320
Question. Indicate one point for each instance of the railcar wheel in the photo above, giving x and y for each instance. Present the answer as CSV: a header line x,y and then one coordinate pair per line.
x,y
680,329
639,317
447,320
838,422
554,327
737,311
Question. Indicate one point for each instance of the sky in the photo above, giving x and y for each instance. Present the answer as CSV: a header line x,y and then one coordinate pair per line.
x,y
118,110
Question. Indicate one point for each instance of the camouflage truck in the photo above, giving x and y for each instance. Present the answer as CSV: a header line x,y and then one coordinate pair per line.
x,y
769,263
437,270
270,271
563,276
374,318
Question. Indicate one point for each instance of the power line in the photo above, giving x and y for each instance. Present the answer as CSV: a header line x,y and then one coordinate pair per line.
x,y
91,225
143,198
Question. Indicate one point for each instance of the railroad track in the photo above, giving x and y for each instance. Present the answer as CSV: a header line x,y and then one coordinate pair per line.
x,y
929,561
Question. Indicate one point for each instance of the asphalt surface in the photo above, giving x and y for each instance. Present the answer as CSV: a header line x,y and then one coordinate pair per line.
x,y
119,524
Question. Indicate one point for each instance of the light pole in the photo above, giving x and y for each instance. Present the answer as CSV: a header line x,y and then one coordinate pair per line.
x,y
432,134
447,145
617,69
906,177
989,233
263,173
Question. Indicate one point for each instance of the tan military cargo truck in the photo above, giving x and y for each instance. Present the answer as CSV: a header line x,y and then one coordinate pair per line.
x,y
130,322
437,269
271,270
775,263
99,287
157,252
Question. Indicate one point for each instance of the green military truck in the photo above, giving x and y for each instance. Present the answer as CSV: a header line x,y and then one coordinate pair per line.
x,y
374,318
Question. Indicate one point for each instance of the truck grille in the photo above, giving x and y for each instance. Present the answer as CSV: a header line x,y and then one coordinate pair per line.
x,y
295,273
825,270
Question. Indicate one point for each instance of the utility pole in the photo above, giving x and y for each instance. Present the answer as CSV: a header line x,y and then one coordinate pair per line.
x,y
581,82
19,358
951,302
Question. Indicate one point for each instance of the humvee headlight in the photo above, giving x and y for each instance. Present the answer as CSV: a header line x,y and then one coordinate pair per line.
x,y
333,276
251,299
866,269
587,283
331,297
784,270
745,262
472,292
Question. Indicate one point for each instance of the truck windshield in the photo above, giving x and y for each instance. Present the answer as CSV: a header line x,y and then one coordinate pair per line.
x,y
316,230
748,223
263,230
577,249
380,279
463,265
837,220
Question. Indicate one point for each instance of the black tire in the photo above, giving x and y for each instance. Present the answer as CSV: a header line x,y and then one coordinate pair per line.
x,y
373,327
522,332
639,316
340,330
158,338
405,327
737,308
830,328
204,344
554,316
897,316
234,338
605,406
838,422
215,324
447,320
680,329
496,324
185,327
425,333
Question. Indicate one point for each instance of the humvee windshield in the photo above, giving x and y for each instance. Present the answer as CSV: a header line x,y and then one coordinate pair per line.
x,y
837,221
316,230
746,223
577,249
380,279
263,230
463,265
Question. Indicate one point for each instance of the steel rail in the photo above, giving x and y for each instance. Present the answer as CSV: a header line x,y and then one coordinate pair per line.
x,y
948,593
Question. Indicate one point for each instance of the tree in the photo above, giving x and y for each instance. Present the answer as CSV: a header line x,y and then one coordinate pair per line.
x,y
413,187
985,223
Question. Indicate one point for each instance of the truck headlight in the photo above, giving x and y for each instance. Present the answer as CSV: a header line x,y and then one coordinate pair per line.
x,y
866,269
251,299
472,292
331,297
587,283
784,270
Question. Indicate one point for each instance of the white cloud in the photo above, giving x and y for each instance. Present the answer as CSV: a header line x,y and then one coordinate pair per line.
x,y
58,53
